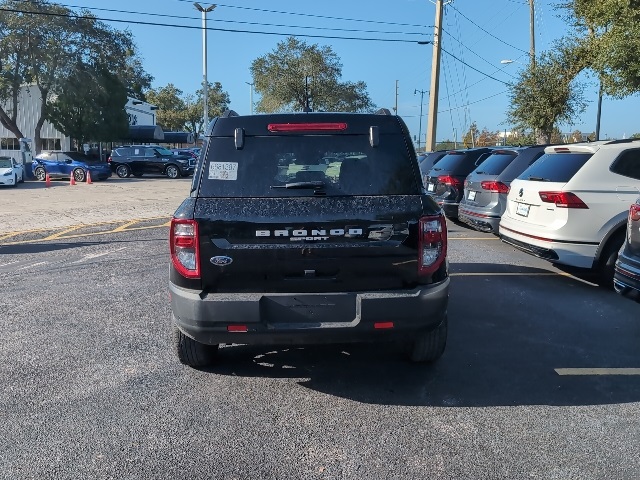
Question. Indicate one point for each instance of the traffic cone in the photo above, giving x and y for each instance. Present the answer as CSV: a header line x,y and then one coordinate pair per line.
x,y
72,181
47,181
89,182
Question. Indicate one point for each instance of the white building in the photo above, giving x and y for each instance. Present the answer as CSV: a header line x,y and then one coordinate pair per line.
x,y
29,104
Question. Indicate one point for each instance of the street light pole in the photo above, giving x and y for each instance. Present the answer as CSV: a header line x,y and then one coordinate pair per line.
x,y
421,92
250,95
205,86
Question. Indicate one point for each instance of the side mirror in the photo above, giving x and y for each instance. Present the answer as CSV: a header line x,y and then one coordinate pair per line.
x,y
68,161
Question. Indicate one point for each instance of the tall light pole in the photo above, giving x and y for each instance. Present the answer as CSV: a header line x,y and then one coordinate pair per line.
x,y
205,87
250,96
421,92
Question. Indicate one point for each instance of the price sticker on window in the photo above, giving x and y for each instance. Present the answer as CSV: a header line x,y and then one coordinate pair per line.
x,y
223,171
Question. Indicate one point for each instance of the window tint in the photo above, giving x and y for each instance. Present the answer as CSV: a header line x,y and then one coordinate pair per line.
x,y
343,165
451,160
555,167
81,157
628,164
496,163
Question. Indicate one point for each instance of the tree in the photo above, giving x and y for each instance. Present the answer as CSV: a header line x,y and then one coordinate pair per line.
x,y
469,138
546,95
91,106
487,138
297,76
171,113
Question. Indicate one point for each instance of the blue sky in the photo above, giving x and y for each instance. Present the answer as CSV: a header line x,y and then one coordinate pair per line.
x,y
174,55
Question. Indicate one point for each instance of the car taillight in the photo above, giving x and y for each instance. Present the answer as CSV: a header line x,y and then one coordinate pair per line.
x,y
184,245
634,212
497,187
449,180
432,244
563,199
109,159
306,127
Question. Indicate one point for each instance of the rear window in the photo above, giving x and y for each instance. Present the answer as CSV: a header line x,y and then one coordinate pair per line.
x,y
293,165
555,167
496,163
462,162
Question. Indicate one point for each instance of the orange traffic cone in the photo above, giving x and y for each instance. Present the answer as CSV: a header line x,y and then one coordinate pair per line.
x,y
72,181
89,182
47,181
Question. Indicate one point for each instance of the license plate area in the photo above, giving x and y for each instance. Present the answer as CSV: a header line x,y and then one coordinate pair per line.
x,y
472,195
523,209
431,187
308,310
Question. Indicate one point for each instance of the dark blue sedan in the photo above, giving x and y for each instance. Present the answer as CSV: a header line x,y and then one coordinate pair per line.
x,y
67,164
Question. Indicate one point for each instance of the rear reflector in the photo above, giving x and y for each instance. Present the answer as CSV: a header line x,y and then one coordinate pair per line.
x,y
306,127
563,199
382,325
237,328
634,212
497,187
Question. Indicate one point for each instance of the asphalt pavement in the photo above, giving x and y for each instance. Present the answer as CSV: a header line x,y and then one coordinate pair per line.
x,y
91,388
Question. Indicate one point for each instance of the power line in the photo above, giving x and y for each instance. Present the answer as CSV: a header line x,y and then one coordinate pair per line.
x,y
237,21
473,68
486,31
477,101
228,30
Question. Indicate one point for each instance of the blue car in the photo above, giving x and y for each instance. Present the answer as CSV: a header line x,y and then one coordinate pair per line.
x,y
67,164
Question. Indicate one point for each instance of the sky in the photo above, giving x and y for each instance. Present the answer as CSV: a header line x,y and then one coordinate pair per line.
x,y
478,34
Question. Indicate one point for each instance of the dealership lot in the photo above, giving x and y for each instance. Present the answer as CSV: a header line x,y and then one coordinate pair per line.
x,y
540,379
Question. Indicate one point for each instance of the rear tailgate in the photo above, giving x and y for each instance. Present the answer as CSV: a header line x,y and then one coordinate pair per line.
x,y
325,244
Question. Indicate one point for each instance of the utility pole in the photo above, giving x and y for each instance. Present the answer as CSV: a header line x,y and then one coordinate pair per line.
x,y
205,86
435,78
396,109
532,34
421,92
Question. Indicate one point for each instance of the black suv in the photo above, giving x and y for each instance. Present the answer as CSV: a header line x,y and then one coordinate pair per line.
x,y
154,159
308,228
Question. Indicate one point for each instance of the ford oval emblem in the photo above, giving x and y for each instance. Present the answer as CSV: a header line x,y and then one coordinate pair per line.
x,y
221,261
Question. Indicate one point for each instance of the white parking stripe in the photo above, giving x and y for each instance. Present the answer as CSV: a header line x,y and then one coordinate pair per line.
x,y
91,256
598,371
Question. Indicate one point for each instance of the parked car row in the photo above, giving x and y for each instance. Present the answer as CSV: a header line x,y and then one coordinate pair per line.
x,y
568,204
124,161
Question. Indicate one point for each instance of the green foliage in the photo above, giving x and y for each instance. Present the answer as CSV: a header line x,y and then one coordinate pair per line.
x,y
544,96
296,75
91,106
447,145
171,113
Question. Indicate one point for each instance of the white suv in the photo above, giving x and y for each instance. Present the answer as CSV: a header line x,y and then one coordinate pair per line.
x,y
570,207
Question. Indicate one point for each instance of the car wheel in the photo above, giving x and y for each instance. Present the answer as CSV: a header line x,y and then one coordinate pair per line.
x,y
123,171
429,346
79,175
172,171
192,353
608,260
40,174
15,180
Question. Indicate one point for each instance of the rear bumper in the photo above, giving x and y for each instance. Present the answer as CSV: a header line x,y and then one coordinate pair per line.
x,y
308,318
485,222
567,253
627,273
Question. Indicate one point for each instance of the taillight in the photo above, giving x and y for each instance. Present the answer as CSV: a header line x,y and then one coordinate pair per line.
x,y
634,212
184,245
497,187
563,199
432,244
449,180
109,159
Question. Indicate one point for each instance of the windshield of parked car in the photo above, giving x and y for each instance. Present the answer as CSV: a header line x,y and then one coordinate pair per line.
x,y
555,167
283,166
5,163
496,163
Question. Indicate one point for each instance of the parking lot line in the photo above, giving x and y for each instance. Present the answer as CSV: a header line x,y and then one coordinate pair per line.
x,y
125,226
60,234
598,371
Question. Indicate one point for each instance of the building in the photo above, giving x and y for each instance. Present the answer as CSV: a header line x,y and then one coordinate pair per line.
x,y
29,104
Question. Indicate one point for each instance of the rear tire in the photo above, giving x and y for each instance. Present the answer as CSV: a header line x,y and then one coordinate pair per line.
x,y
40,174
79,175
608,259
123,171
172,172
192,353
429,346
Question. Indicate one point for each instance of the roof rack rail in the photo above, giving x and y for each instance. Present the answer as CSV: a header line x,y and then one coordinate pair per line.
x,y
383,111
622,140
229,113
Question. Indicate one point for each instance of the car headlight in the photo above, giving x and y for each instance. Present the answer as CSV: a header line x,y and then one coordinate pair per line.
x,y
7,174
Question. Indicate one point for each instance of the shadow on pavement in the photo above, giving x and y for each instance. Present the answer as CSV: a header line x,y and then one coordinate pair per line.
x,y
50,246
507,335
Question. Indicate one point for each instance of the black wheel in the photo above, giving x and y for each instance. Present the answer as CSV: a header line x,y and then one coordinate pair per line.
x,y
123,171
79,175
172,171
40,174
608,260
429,346
192,353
